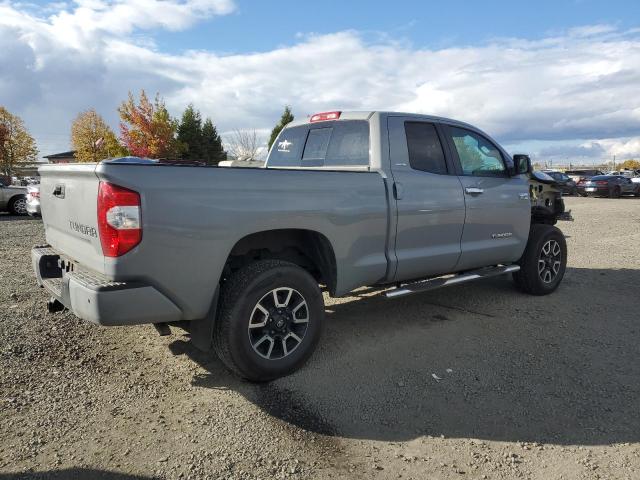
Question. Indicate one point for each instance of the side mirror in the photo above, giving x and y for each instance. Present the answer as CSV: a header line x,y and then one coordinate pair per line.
x,y
521,164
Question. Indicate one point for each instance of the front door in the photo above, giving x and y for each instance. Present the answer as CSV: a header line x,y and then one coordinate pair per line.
x,y
429,200
498,208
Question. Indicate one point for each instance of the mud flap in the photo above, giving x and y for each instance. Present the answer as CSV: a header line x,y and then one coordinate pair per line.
x,y
201,331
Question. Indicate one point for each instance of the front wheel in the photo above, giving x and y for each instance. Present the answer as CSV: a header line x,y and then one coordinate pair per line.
x,y
270,320
544,261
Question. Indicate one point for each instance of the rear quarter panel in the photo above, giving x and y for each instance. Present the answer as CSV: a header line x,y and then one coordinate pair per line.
x,y
193,216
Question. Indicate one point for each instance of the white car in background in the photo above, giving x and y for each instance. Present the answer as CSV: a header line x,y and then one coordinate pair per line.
x,y
33,200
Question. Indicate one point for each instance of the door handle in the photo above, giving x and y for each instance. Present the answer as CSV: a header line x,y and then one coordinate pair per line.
x,y
59,191
398,190
473,190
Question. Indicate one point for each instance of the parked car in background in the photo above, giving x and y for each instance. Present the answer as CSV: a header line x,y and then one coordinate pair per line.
x,y
566,184
582,175
613,186
13,199
634,175
33,200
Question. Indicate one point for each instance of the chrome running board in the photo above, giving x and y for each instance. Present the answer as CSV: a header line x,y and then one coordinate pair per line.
x,y
438,282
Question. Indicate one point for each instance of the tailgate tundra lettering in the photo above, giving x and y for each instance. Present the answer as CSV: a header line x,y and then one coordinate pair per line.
x,y
83,229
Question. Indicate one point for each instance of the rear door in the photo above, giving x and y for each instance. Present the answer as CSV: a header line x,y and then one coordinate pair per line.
x,y
627,185
498,209
429,200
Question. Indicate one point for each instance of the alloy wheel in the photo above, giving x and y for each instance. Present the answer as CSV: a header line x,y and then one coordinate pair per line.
x,y
549,261
278,323
20,206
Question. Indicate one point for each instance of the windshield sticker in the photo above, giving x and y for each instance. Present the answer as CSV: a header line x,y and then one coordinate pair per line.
x,y
284,145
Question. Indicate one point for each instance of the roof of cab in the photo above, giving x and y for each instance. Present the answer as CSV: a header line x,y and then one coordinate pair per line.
x,y
366,115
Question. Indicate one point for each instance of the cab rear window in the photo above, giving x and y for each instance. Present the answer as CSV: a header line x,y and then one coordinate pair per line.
x,y
330,144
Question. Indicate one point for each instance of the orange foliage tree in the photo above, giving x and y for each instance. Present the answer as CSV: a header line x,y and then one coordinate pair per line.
x,y
147,129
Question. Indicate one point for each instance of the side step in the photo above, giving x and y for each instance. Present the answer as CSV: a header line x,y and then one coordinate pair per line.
x,y
438,282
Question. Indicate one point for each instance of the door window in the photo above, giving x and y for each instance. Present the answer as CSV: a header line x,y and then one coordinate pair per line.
x,y
478,156
425,149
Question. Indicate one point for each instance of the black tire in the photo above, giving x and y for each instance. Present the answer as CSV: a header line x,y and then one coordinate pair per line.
x,y
615,192
18,205
240,296
583,194
529,278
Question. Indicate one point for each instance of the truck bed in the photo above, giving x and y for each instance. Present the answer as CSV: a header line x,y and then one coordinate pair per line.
x,y
193,216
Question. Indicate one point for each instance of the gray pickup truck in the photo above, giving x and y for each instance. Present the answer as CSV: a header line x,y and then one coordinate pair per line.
x,y
239,257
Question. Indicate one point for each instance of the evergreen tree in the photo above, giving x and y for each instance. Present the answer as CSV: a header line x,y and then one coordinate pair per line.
x,y
213,151
286,117
190,134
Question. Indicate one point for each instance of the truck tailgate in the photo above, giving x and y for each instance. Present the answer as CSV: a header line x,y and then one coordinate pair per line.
x,y
68,197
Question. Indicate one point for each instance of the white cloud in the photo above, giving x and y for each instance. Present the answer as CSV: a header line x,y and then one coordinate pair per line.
x,y
621,148
584,84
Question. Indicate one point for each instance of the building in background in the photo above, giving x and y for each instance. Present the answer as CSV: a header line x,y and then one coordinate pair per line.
x,y
63,157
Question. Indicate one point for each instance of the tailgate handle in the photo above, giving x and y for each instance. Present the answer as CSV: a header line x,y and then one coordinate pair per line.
x,y
58,191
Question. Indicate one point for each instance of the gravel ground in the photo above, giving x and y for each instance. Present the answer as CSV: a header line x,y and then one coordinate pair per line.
x,y
526,387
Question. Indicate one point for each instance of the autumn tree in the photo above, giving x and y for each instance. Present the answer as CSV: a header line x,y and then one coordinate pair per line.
x,y
190,133
286,117
92,139
147,129
17,146
212,149
630,165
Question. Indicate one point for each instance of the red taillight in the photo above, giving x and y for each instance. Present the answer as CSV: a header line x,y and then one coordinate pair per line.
x,y
119,221
34,194
323,117
603,182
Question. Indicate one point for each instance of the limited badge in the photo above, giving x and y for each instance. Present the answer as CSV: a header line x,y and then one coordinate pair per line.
x,y
284,145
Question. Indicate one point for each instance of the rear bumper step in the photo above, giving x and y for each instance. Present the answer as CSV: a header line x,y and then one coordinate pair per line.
x,y
439,282
94,297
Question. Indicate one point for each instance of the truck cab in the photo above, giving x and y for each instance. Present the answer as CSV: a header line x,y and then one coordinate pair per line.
x,y
456,201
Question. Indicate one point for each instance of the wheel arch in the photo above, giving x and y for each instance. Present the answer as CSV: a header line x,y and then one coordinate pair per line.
x,y
16,197
308,249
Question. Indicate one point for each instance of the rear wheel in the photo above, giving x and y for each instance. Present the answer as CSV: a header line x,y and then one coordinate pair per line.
x,y
544,261
615,192
270,320
18,206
